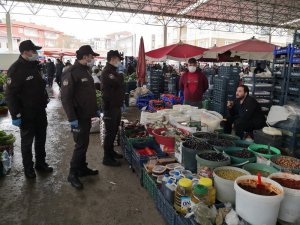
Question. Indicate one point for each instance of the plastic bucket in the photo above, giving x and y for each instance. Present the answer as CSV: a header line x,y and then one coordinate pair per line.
x,y
258,209
290,206
210,164
204,135
265,170
237,160
243,143
255,147
229,137
225,188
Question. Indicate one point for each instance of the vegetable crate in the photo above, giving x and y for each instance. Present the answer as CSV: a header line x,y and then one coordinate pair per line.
x,y
166,209
149,184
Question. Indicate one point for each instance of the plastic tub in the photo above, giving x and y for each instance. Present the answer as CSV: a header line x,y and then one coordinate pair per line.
x,y
258,209
204,135
255,147
238,160
210,164
225,188
243,143
284,168
290,206
221,144
265,170
229,137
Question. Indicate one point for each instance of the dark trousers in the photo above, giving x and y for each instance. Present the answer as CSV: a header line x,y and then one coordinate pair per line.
x,y
81,138
242,126
34,127
50,81
112,119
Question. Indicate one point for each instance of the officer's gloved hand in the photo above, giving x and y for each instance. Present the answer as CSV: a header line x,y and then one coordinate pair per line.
x,y
17,122
98,113
74,124
123,108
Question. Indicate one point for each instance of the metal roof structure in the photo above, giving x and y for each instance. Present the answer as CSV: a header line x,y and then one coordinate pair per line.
x,y
226,15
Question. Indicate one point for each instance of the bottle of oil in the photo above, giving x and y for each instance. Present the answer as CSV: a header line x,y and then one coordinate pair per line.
x,y
183,194
199,195
207,182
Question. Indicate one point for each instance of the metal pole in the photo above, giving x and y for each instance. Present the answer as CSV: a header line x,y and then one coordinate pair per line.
x,y
165,35
9,33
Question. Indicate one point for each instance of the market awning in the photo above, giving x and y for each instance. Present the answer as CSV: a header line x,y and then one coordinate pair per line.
x,y
247,49
178,52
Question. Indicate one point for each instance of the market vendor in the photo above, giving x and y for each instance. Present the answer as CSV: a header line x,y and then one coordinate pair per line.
x,y
245,113
193,83
259,69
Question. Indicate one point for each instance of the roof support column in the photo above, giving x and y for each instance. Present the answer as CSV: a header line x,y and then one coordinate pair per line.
x,y
165,35
9,33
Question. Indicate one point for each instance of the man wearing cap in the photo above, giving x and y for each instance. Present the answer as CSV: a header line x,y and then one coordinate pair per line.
x,y
78,97
112,86
27,99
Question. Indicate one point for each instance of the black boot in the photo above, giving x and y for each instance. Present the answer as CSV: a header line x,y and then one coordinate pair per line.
x,y
30,173
87,172
117,155
111,162
75,182
43,167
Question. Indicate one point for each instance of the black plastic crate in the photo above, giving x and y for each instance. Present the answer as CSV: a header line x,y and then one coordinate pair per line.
x,y
220,83
166,209
261,138
219,96
219,107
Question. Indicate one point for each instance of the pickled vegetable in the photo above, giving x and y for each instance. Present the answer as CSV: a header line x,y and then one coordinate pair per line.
x,y
229,174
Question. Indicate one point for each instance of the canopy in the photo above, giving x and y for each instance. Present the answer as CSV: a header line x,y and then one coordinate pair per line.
x,y
141,66
58,52
248,49
178,52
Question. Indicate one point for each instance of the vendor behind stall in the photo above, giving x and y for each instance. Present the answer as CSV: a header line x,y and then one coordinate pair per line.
x,y
259,69
244,113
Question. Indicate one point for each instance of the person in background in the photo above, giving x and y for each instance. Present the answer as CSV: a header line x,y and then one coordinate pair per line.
x,y
259,69
100,66
244,113
78,97
50,72
130,69
112,87
165,68
96,79
58,71
27,100
193,84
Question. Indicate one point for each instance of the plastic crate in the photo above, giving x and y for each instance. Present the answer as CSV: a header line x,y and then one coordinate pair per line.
x,y
261,138
166,209
220,83
219,107
219,96
149,184
180,220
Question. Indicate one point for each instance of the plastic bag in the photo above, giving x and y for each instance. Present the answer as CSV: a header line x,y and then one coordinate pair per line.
x,y
6,162
95,128
203,214
211,119
232,218
277,114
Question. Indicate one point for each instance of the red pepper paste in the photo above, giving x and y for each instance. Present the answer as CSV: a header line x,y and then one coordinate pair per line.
x,y
258,190
288,183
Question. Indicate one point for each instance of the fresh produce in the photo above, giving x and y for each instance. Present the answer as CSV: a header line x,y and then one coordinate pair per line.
x,y
3,79
214,156
288,183
194,143
99,98
205,135
244,154
2,97
229,174
146,151
220,142
6,139
287,162
173,132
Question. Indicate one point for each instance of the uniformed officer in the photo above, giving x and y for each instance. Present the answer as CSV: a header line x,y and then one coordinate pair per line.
x,y
112,86
27,99
78,96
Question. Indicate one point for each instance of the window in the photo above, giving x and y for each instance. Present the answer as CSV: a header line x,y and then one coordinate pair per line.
x,y
31,32
20,30
50,35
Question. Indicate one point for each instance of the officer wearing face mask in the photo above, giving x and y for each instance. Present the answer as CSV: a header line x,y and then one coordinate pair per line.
x,y
27,99
112,86
193,83
78,97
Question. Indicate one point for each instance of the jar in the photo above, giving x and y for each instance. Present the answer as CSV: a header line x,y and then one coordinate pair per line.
x,y
207,182
183,194
199,195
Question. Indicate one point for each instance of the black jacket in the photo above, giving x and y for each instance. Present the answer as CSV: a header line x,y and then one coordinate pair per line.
x,y
50,69
78,93
26,90
58,70
112,86
250,110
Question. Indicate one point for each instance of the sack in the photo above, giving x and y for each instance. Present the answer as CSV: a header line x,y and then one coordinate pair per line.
x,y
277,114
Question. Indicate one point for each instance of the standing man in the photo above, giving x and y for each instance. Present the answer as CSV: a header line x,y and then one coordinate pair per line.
x,y
78,97
193,84
50,72
58,71
27,99
245,113
112,86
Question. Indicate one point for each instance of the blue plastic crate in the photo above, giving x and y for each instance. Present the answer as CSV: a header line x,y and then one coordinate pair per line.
x,y
219,96
166,209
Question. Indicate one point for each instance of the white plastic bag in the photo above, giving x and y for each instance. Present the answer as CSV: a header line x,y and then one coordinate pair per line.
x,y
277,114
95,128
6,162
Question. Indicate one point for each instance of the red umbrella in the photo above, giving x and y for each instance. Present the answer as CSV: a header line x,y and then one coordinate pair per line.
x,y
248,49
179,52
141,66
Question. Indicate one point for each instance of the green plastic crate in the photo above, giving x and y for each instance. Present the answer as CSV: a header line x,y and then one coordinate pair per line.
x,y
149,184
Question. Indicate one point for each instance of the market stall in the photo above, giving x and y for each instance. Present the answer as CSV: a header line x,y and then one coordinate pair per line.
x,y
195,174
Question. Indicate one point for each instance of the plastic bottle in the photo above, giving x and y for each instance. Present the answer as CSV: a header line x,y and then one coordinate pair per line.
x,y
170,191
200,194
207,182
183,195
164,182
177,175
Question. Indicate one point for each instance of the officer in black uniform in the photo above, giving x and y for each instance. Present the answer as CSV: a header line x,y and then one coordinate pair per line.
x,y
27,99
78,96
112,86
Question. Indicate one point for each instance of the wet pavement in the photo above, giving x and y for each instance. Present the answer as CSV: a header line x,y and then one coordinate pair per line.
x,y
114,197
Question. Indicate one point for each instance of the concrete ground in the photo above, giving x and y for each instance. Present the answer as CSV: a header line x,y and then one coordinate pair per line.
x,y
114,197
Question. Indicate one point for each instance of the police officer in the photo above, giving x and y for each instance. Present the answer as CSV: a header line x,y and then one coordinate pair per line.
x,y
112,86
78,96
27,99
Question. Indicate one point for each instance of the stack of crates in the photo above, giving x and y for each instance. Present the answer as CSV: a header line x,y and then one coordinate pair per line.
x,y
220,95
229,71
155,80
233,83
143,100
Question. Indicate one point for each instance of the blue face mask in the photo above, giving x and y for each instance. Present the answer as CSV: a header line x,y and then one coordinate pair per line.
x,y
33,57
